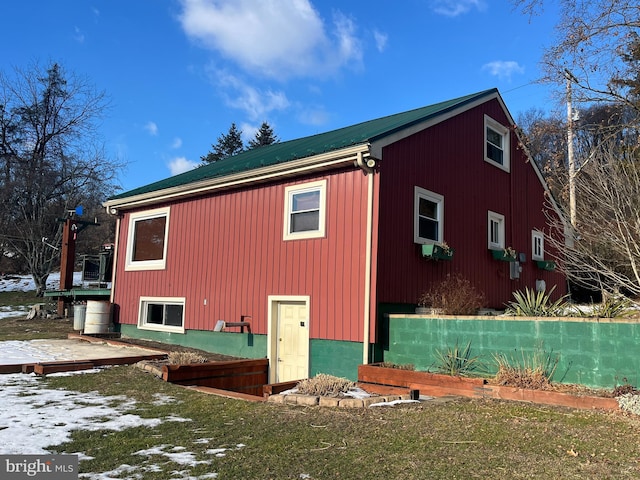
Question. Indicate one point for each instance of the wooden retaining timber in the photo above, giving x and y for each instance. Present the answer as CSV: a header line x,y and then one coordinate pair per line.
x,y
44,368
242,376
441,385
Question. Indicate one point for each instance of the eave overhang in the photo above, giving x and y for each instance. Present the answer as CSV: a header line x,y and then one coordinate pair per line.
x,y
344,157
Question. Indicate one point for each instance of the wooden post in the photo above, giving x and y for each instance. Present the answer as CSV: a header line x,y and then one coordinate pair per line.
x,y
67,259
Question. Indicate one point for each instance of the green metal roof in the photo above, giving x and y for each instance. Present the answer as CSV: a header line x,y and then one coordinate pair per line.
x,y
308,146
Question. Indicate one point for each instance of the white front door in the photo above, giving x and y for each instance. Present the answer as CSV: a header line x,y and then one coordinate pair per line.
x,y
292,341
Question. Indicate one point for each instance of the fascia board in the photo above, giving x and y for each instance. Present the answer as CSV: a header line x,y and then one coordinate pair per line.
x,y
323,161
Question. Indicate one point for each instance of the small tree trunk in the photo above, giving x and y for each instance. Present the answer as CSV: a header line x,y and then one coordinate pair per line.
x,y
41,283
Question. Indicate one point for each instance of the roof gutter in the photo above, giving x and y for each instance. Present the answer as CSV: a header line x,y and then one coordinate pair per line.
x,y
323,161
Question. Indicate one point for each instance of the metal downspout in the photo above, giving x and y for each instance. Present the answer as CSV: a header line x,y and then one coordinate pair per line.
x,y
115,259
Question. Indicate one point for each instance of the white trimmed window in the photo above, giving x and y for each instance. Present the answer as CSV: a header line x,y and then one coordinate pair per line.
x,y
495,234
147,240
428,216
537,245
305,210
496,141
165,314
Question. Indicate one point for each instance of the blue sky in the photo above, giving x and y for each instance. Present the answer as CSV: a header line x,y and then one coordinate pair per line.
x,y
178,72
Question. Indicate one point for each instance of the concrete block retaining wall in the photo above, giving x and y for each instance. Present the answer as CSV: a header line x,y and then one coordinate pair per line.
x,y
593,352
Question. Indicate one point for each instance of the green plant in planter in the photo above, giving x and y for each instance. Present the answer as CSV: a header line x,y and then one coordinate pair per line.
x,y
458,362
537,304
612,306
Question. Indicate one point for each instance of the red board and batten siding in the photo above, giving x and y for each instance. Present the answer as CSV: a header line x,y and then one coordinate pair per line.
x,y
228,248
448,159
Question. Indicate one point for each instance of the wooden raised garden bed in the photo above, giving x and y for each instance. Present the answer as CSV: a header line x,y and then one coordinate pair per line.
x,y
437,385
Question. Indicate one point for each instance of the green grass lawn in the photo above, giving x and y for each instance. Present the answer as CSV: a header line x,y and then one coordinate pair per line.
x,y
458,439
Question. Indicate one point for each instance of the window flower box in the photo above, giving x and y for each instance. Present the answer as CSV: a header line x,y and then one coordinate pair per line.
x,y
546,265
505,255
437,252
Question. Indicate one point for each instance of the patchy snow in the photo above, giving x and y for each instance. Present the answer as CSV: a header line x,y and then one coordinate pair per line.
x,y
31,423
393,403
25,283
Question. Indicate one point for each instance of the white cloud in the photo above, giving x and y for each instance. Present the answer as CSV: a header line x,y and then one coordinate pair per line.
x,y
152,128
453,8
313,116
177,142
503,69
248,131
276,38
181,165
254,102
78,35
381,40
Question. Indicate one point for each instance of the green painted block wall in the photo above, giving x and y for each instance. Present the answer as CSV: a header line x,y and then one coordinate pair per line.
x,y
592,353
335,358
245,345
326,356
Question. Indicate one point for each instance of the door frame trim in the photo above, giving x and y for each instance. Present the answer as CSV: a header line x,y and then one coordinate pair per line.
x,y
272,327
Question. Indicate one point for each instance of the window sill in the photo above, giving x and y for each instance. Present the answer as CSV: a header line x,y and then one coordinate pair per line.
x,y
161,328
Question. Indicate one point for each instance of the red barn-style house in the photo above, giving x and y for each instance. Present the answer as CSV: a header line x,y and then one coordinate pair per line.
x,y
293,250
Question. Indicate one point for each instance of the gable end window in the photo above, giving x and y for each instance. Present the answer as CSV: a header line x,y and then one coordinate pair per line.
x,y
162,313
147,240
495,234
537,245
496,141
428,216
305,210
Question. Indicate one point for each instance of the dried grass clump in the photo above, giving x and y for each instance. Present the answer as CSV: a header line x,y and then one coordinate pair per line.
x,y
522,378
185,358
454,296
531,371
324,385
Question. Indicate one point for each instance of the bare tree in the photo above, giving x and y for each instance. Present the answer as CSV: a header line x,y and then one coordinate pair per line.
x,y
604,250
50,160
594,38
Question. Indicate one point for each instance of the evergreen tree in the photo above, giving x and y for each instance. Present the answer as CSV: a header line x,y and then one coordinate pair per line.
x,y
264,136
228,144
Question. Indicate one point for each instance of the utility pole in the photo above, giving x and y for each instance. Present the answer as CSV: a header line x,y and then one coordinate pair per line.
x,y
572,164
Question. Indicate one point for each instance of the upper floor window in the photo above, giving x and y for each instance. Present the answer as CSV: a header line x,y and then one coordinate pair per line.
x,y
537,245
496,140
147,240
305,210
495,236
428,216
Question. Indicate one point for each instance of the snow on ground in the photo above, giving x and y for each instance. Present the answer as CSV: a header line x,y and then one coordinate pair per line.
x,y
25,283
34,419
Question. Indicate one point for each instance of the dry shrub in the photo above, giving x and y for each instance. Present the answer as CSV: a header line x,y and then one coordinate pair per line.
x,y
522,378
324,385
533,371
185,358
454,296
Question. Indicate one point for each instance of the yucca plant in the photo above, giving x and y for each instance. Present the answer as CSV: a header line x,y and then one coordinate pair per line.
x,y
458,362
537,304
613,306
